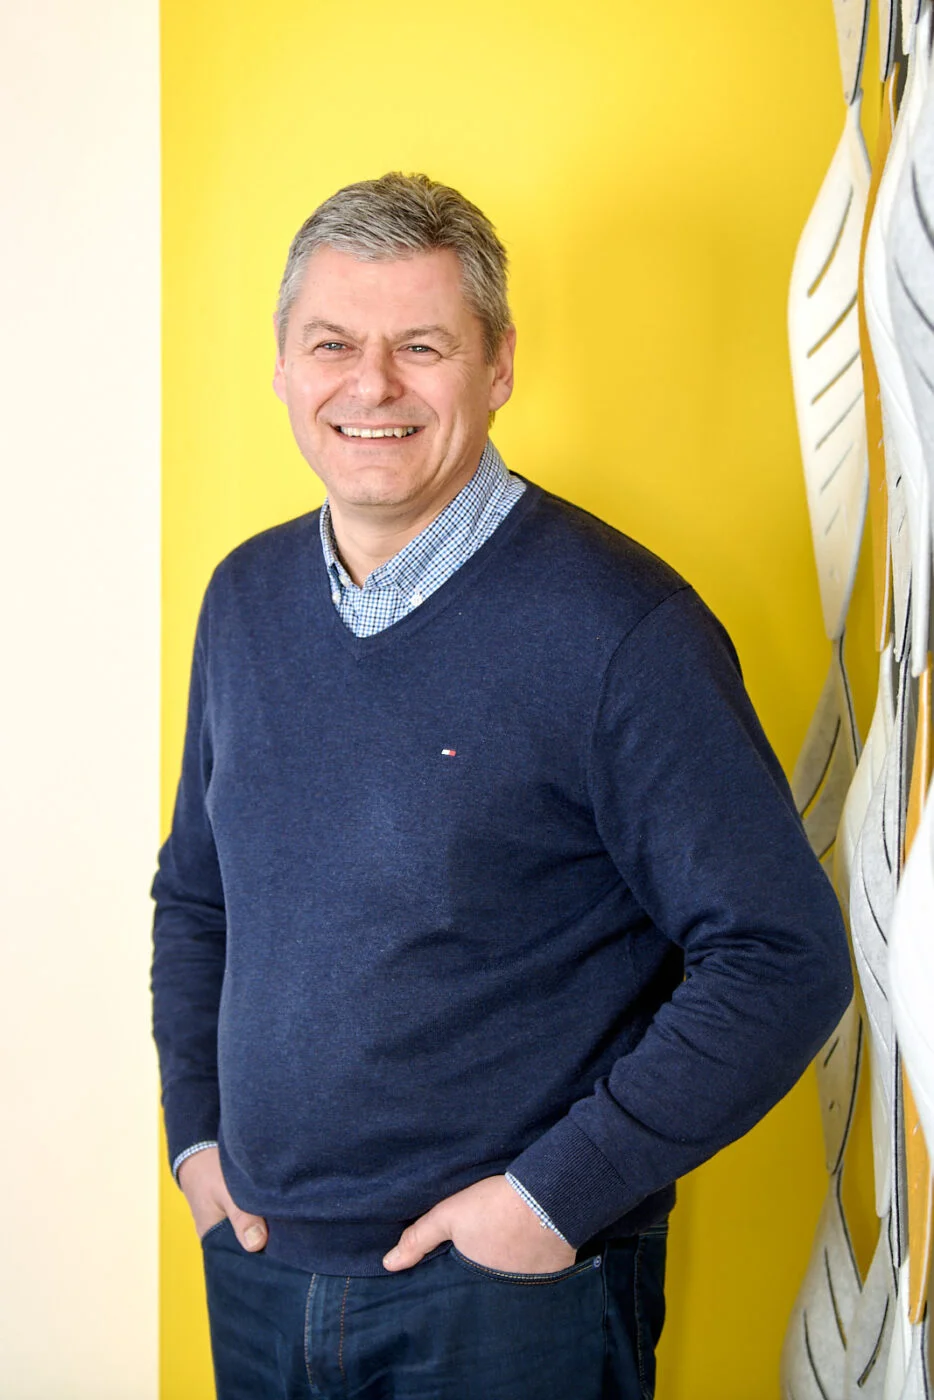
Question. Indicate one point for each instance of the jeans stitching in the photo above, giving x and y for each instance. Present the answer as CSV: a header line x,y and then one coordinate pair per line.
x,y
606,1311
340,1344
525,1280
311,1291
640,1361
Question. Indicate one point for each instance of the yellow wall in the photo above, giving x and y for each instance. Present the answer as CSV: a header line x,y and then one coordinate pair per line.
x,y
650,168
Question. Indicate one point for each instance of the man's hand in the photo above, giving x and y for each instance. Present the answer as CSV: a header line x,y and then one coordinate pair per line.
x,y
489,1223
202,1181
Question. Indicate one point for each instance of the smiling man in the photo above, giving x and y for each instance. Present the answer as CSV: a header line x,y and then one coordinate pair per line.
x,y
486,912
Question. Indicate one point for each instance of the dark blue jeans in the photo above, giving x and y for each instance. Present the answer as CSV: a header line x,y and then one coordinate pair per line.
x,y
448,1329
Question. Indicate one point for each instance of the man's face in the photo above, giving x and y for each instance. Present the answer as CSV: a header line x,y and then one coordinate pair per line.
x,y
389,348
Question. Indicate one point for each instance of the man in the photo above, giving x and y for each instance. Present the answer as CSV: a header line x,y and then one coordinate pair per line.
x,y
486,912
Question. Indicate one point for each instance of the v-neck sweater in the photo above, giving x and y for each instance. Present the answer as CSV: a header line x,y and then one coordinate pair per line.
x,y
516,883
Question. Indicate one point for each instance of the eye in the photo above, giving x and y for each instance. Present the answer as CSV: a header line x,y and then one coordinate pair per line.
x,y
422,349
331,345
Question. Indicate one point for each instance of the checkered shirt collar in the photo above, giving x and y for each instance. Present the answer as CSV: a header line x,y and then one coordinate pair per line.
x,y
442,546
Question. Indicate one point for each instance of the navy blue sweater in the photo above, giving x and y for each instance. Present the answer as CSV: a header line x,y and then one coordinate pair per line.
x,y
514,884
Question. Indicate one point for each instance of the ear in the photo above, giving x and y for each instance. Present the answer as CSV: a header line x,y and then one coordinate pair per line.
x,y
278,374
501,385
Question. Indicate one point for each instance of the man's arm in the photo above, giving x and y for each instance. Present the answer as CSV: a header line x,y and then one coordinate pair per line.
x,y
189,937
692,805
189,952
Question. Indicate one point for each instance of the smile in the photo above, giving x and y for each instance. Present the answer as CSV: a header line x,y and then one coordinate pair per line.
x,y
376,432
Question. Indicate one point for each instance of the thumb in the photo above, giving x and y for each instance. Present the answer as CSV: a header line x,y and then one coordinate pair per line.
x,y
418,1240
250,1229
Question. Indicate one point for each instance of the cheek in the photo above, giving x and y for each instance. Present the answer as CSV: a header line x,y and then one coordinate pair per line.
x,y
456,402
308,400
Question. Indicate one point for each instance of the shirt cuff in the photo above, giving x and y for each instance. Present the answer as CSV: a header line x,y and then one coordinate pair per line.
x,y
578,1185
189,1152
546,1220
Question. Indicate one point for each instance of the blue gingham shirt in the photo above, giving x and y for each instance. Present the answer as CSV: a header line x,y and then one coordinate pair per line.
x,y
394,589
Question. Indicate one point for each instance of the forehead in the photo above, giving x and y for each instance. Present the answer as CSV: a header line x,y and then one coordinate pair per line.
x,y
418,290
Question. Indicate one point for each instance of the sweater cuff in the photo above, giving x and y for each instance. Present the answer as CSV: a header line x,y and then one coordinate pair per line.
x,y
192,1114
572,1182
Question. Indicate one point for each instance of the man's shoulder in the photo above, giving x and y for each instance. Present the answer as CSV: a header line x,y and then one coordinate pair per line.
x,y
589,564
275,557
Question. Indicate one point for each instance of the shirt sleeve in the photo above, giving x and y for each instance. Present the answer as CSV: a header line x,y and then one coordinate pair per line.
x,y
545,1220
692,805
189,938
191,1151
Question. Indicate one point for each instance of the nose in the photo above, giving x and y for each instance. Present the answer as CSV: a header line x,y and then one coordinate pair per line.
x,y
377,377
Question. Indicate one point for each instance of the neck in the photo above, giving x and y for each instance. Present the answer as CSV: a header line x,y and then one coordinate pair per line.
x,y
365,544
367,536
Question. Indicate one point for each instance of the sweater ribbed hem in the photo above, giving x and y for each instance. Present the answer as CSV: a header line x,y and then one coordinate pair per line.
x,y
354,1247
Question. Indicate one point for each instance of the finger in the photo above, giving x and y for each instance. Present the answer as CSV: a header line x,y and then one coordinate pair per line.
x,y
417,1241
250,1229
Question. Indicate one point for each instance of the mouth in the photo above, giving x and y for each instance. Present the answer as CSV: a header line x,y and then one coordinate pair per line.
x,y
402,431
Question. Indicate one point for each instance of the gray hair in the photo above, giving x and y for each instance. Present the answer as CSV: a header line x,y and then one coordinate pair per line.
x,y
398,216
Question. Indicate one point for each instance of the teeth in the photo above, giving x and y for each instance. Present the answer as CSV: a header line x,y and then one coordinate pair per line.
x,y
378,432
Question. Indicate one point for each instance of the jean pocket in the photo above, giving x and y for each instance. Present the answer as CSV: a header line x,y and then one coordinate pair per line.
x,y
585,1266
655,1232
215,1228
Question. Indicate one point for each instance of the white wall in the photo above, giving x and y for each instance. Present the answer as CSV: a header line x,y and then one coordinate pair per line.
x,y
79,654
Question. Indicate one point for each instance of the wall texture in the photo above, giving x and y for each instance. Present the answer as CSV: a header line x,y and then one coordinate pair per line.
x,y
79,731
650,168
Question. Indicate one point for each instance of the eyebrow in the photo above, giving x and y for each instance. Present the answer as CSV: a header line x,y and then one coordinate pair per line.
x,y
315,327
312,328
432,332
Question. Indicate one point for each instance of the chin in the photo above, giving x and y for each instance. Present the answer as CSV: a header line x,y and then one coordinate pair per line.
x,y
376,487
375,497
